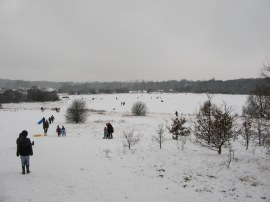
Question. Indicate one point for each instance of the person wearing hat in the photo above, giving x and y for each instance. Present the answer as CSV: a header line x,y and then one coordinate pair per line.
x,y
24,150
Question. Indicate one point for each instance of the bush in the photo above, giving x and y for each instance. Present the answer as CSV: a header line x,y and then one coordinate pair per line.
x,y
139,109
77,112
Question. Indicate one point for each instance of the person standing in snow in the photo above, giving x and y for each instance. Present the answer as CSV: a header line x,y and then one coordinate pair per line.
x,y
110,130
58,131
45,127
24,150
63,131
52,118
106,134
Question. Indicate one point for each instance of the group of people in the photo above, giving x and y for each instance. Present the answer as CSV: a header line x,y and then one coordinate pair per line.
x,y
24,144
61,131
108,131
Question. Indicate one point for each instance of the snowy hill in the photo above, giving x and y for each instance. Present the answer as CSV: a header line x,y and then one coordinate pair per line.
x,y
84,167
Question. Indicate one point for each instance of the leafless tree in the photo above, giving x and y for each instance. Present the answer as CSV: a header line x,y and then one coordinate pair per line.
x,y
160,136
76,112
258,108
139,108
265,71
247,130
131,139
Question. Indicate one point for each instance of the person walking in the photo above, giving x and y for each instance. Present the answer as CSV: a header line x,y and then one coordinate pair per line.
x,y
58,131
52,118
63,131
24,150
45,127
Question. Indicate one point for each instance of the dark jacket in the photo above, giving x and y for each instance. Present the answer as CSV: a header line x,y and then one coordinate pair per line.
x,y
46,124
24,147
110,128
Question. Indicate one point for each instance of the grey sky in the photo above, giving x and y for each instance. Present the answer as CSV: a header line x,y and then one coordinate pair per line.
x,y
124,40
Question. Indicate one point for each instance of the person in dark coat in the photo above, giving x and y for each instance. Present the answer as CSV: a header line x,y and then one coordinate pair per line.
x,y
52,118
110,130
45,127
24,150
58,131
18,139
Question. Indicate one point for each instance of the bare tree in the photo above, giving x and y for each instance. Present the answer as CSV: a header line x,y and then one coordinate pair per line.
x,y
131,139
160,136
265,71
248,132
258,108
139,108
76,112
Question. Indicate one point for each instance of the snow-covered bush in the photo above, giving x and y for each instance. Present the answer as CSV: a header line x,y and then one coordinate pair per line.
x,y
139,108
76,112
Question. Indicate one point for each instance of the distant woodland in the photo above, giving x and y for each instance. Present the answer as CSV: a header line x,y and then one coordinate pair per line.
x,y
237,86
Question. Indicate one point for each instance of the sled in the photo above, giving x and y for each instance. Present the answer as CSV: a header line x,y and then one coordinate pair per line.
x,y
37,135
41,121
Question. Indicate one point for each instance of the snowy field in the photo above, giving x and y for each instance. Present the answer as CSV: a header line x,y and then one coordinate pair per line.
x,y
84,167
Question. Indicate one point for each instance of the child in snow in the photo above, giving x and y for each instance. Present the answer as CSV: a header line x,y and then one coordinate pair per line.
x,y
106,134
63,131
58,131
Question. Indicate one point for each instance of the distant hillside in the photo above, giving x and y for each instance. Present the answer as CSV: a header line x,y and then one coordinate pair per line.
x,y
237,86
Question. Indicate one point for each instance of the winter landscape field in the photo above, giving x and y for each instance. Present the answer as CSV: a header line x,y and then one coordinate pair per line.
x,y
85,167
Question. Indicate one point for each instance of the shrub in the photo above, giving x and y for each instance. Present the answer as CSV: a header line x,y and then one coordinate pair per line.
x,y
77,112
139,109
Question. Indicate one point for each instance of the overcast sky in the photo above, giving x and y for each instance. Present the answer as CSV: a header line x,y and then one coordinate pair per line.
x,y
127,40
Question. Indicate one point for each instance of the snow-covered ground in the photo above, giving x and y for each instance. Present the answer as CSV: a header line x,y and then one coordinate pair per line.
x,y
84,167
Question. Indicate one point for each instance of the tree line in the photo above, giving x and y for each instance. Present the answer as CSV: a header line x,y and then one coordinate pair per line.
x,y
31,95
237,86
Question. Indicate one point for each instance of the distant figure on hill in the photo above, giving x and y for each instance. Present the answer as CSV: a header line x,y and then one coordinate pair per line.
x,y
176,113
63,131
110,130
45,127
24,149
52,118
58,131
106,134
